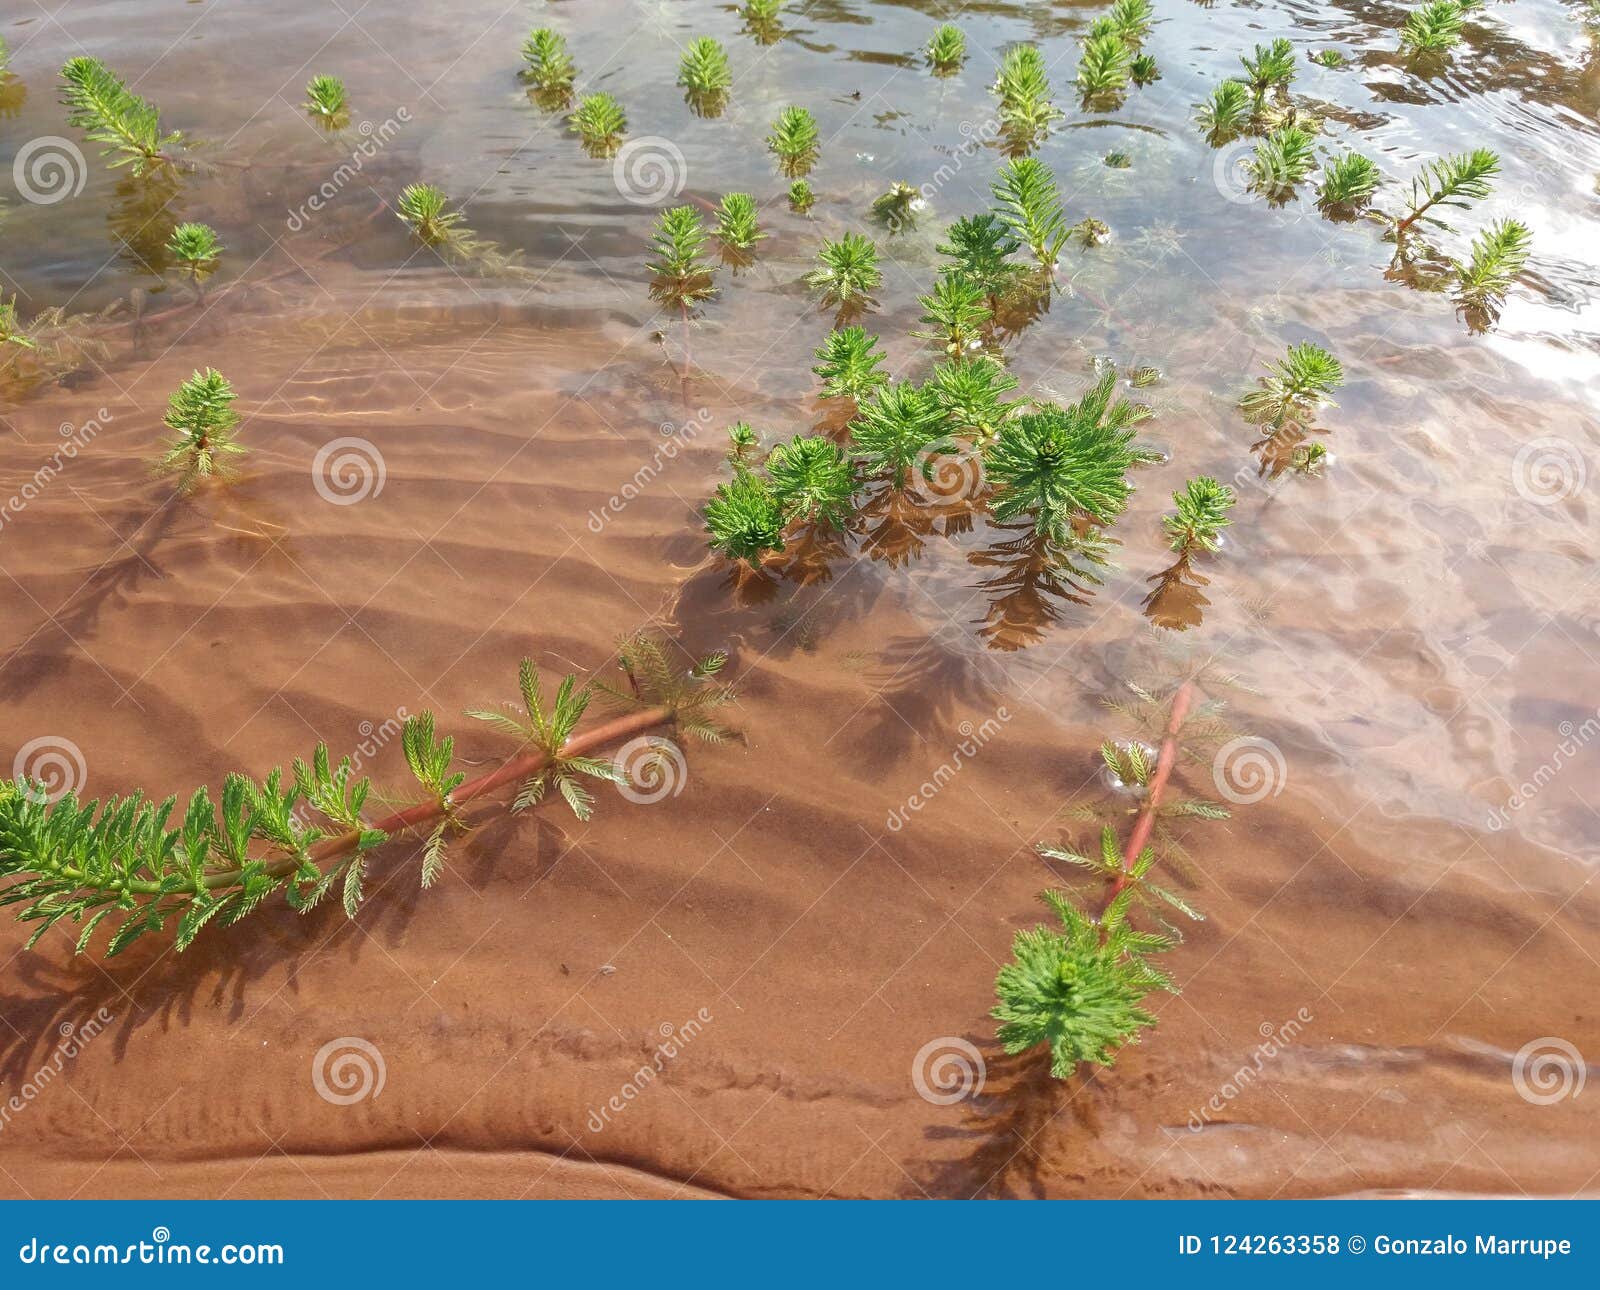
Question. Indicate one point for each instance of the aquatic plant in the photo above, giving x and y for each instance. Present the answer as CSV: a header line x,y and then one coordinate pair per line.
x,y
981,248
849,270
683,277
1499,254
1023,89
11,331
1449,181
762,10
81,864
549,66
196,248
955,312
745,518
548,733
795,141
1203,505
1104,67
947,48
742,441
1268,68
1090,232
600,123
1031,205
801,198
1282,159
704,73
1227,112
970,391
736,222
326,99
1328,58
1295,387
426,211
892,431
813,481
1062,465
847,362
1130,19
1348,181
105,109
200,413
1078,991
1143,70
1308,459
1117,160
1435,28
898,206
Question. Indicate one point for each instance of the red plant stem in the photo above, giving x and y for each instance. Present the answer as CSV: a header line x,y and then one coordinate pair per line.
x,y
1166,758
520,767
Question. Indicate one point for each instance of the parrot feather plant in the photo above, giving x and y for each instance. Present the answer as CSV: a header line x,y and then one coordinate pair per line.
x,y
801,198
1030,204
129,864
705,75
737,226
1104,69
327,101
200,414
1499,253
761,20
1227,113
847,273
548,67
980,248
848,362
795,141
600,123
1081,991
425,210
1294,389
196,248
1433,30
947,49
109,113
1023,89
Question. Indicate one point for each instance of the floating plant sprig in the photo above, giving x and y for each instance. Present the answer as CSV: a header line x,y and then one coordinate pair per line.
x,y
327,100
1449,181
549,67
1295,387
705,75
1434,29
1143,70
1282,160
955,313
761,20
745,518
893,430
813,481
848,273
196,248
109,113
737,225
801,198
742,441
795,141
682,275
1202,513
970,391
200,414
1023,88
848,362
12,333
1348,182
1227,112
600,123
84,863
1499,253
947,48
981,248
1268,69
1131,20
1104,68
1031,205
1064,466
898,206
425,210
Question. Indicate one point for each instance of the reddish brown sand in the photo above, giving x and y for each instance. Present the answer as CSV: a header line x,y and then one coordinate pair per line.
x,y
1412,630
